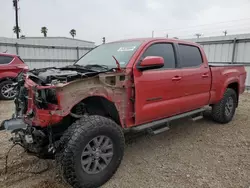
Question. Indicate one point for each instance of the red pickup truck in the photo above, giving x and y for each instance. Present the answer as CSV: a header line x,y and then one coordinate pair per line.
x,y
79,113
10,66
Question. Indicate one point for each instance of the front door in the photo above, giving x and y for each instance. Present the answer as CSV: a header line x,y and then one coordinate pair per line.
x,y
157,91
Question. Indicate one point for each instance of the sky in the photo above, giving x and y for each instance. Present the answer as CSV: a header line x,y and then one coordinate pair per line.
x,y
120,19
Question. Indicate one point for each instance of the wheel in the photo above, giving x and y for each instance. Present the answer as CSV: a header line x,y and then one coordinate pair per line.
x,y
223,112
92,152
6,90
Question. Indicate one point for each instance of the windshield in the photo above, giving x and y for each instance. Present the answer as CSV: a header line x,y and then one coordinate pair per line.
x,y
102,55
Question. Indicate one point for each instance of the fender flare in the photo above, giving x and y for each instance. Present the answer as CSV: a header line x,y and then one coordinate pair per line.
x,y
226,84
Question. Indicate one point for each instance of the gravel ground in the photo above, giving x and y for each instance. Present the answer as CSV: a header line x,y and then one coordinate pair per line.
x,y
191,154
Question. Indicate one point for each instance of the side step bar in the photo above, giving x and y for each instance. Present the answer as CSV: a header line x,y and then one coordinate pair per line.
x,y
159,123
159,130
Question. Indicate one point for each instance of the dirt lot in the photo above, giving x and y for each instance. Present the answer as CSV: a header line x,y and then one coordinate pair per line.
x,y
190,154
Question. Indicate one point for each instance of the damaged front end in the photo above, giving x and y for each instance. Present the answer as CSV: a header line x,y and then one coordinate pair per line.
x,y
36,122
49,100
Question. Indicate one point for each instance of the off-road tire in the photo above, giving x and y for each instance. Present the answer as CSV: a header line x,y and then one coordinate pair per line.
x,y
218,110
2,84
76,138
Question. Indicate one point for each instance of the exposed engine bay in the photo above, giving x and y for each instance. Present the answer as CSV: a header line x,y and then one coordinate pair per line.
x,y
39,121
53,75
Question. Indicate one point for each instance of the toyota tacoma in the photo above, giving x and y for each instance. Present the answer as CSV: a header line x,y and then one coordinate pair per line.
x,y
79,113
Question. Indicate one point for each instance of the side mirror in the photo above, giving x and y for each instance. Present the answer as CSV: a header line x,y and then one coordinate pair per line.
x,y
151,62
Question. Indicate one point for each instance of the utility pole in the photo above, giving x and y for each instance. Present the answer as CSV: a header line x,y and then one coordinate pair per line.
x,y
15,4
225,33
198,35
152,34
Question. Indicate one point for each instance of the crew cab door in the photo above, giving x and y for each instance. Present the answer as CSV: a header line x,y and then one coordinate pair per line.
x,y
157,91
196,78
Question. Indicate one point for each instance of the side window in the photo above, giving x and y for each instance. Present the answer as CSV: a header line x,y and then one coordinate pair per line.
x,y
190,56
164,50
5,59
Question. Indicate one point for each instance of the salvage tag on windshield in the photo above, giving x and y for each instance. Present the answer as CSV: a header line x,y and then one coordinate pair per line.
x,y
126,49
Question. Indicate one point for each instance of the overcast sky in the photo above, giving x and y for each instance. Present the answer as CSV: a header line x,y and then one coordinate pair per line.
x,y
118,19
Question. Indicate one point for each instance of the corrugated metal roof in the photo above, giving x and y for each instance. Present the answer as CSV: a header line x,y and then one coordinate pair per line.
x,y
50,41
220,38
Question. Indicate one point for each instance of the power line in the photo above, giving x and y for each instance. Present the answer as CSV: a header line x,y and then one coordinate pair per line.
x,y
191,30
205,24
207,31
198,30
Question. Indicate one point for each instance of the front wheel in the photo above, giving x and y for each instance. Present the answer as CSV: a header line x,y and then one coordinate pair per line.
x,y
223,112
7,91
93,152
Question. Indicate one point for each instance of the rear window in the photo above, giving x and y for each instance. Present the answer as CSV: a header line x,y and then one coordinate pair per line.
x,y
5,59
190,56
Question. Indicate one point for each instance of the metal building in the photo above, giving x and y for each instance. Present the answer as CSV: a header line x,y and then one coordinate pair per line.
x,y
39,52
228,49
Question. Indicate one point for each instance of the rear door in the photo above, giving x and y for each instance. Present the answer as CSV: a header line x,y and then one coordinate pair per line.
x,y
196,78
157,90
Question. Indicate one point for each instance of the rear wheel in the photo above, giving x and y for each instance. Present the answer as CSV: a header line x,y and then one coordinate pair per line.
x,y
93,152
7,91
223,112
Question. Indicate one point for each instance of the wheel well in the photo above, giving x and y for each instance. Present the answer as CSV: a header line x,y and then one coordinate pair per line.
x,y
235,87
97,105
5,79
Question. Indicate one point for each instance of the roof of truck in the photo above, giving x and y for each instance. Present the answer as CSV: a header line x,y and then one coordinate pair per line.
x,y
156,39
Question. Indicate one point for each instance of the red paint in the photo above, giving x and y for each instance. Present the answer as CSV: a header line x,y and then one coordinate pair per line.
x,y
158,93
11,70
152,60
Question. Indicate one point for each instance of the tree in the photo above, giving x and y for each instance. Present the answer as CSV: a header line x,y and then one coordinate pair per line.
x,y
16,29
44,30
73,33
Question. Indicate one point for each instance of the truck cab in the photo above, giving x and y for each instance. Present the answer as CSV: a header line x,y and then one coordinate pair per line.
x,y
184,77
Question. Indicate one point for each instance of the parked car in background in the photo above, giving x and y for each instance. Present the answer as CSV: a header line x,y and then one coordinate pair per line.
x,y
10,66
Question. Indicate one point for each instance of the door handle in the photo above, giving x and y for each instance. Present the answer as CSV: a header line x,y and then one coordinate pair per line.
x,y
205,75
176,78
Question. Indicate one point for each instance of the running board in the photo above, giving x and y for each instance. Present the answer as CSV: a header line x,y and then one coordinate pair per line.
x,y
156,124
159,130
